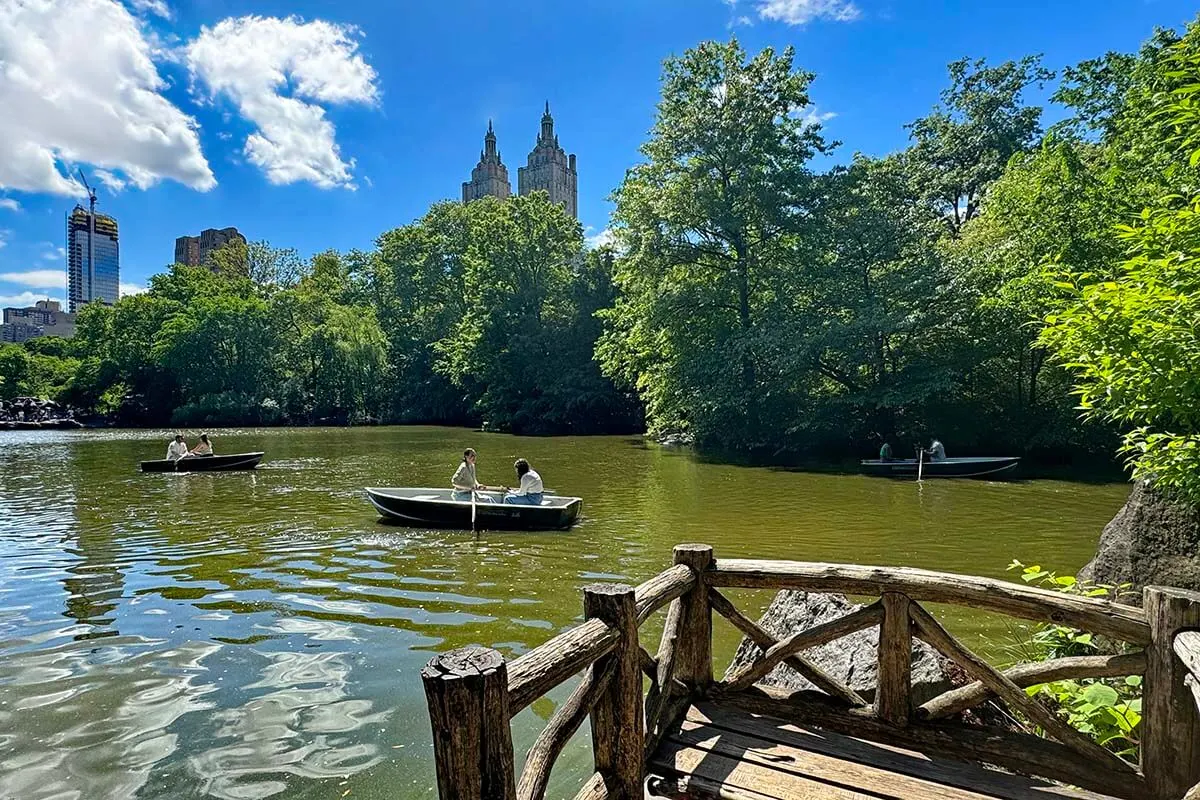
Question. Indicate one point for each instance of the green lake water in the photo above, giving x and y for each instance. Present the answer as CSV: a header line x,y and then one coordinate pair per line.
x,y
252,635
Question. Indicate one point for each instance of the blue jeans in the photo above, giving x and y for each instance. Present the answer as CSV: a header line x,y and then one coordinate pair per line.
x,y
523,499
479,497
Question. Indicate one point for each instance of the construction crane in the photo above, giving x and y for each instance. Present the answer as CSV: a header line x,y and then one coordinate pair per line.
x,y
91,294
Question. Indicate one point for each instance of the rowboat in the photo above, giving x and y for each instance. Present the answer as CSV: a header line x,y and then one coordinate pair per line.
x,y
204,463
967,467
440,508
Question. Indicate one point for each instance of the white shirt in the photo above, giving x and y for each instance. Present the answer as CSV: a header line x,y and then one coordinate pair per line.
x,y
937,451
531,483
464,478
176,450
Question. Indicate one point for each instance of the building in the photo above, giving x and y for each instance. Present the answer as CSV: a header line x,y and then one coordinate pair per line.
x,y
549,169
490,176
43,318
195,250
86,281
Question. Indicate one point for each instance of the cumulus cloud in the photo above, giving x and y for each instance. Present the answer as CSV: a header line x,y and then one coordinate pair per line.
x,y
156,7
54,253
604,237
78,85
24,299
801,12
281,73
127,289
9,204
37,278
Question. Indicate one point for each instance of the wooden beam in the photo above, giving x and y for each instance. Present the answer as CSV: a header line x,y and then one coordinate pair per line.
x,y
1020,752
1170,721
558,731
932,632
693,653
662,589
960,699
554,661
663,680
893,695
467,693
617,724
765,641
1187,646
596,788
812,637
1115,620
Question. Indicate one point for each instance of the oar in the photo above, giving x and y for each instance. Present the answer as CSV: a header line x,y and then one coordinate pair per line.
x,y
472,510
920,463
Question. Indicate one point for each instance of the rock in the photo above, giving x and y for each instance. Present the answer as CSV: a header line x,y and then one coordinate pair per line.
x,y
1150,541
676,440
851,659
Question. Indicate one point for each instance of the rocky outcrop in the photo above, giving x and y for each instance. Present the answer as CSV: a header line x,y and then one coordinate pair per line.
x,y
1151,541
851,659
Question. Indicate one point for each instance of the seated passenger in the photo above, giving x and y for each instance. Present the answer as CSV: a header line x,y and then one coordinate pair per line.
x,y
177,449
529,493
936,451
464,482
885,452
204,448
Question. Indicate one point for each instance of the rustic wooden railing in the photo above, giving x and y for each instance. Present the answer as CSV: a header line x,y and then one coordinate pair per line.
x,y
473,694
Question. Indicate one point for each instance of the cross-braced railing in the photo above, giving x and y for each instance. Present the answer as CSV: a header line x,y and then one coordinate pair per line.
x,y
473,693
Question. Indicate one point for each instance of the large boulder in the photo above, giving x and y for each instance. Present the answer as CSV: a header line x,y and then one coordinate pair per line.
x,y
1151,541
853,659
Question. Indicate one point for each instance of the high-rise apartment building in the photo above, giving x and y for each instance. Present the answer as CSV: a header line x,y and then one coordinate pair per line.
x,y
490,176
43,318
549,169
89,239
195,250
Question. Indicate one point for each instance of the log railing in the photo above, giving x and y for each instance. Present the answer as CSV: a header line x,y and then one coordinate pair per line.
x,y
473,693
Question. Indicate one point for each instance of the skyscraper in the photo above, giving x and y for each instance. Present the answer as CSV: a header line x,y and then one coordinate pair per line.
x,y
490,176
195,250
87,281
550,170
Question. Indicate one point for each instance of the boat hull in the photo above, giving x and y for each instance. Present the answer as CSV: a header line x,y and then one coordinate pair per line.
x,y
234,461
433,508
993,466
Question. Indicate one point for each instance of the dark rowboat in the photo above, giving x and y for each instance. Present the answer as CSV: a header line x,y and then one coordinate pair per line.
x,y
439,508
204,463
969,467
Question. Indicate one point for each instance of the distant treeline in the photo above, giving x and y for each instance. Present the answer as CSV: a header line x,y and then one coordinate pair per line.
x,y
746,299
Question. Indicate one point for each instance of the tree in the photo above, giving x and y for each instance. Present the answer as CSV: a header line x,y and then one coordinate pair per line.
x,y
966,142
1129,332
709,224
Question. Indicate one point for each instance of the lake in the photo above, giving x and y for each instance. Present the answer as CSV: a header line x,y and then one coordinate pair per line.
x,y
252,635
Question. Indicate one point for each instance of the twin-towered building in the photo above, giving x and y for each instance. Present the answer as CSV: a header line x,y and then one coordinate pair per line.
x,y
549,169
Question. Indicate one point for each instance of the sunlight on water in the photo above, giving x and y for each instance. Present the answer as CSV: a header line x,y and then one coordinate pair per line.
x,y
249,635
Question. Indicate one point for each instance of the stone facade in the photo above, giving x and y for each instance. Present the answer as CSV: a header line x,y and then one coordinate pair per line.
x,y
490,176
195,250
43,318
549,169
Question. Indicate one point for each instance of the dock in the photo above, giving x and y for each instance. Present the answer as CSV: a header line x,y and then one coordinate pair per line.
x,y
662,726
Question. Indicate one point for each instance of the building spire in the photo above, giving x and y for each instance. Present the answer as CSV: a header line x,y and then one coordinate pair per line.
x,y
489,144
547,125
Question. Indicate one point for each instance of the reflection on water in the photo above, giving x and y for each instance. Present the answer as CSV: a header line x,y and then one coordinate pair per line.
x,y
249,635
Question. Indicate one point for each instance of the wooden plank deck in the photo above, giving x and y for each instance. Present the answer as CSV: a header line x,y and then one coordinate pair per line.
x,y
718,751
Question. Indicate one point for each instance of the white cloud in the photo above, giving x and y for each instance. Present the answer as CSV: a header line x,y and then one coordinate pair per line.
x,y
253,60
24,299
37,278
156,7
54,253
801,12
4,234
78,85
604,237
812,115
10,204
110,180
126,289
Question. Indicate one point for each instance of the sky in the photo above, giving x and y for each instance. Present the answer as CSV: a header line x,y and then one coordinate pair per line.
x,y
318,125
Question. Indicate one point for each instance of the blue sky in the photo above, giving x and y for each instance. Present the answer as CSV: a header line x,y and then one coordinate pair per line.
x,y
320,125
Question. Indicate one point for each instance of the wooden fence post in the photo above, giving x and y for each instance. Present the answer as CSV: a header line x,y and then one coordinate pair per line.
x,y
894,683
693,649
467,693
617,723
1171,723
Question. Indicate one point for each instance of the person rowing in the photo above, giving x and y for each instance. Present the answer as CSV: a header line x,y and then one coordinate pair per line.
x,y
464,481
529,492
177,449
937,452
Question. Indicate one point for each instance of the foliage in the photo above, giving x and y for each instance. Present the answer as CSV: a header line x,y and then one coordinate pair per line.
x,y
1128,331
1107,709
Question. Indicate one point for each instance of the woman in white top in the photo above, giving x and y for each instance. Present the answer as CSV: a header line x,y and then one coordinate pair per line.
x,y
529,493
177,449
464,481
